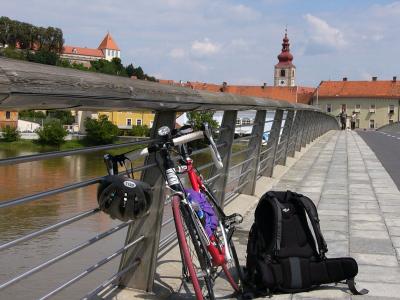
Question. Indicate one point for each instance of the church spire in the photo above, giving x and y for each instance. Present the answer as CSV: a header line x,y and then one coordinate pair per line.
x,y
284,70
285,56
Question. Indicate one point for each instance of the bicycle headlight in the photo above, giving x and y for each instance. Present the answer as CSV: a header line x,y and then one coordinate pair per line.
x,y
164,131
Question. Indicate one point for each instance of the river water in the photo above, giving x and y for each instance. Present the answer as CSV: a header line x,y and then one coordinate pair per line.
x,y
27,178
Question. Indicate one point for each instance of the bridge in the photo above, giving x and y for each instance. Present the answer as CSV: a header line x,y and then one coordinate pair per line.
x,y
356,196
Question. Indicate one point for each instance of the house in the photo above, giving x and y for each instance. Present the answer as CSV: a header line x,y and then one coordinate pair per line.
x,y
375,102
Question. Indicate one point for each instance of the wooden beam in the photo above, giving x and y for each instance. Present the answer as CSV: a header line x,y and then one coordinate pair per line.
x,y
26,85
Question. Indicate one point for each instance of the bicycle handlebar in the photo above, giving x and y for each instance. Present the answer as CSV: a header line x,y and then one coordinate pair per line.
x,y
112,161
212,146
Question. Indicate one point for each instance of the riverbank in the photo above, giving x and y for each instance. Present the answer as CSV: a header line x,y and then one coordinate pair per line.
x,y
25,147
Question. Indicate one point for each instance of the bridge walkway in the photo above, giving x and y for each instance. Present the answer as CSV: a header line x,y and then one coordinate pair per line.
x,y
359,207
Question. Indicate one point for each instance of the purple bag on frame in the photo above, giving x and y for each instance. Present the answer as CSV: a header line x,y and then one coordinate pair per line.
x,y
211,221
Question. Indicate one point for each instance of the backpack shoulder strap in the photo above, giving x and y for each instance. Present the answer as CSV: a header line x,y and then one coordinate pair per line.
x,y
278,221
312,213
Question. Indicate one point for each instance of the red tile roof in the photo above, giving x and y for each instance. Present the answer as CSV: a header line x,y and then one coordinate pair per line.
x,y
82,51
108,43
290,94
367,89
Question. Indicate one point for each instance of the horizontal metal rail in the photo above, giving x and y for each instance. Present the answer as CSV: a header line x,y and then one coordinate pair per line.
x,y
266,158
239,152
230,198
65,254
264,167
92,268
205,166
55,154
264,151
110,280
205,149
244,137
240,176
211,179
242,163
281,148
233,192
49,228
55,191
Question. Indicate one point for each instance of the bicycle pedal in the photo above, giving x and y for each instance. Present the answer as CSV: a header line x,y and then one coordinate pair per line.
x,y
233,219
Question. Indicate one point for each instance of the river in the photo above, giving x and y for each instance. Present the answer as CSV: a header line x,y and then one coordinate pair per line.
x,y
27,178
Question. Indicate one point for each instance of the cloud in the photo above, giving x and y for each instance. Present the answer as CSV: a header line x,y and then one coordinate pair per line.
x,y
391,9
244,12
177,53
323,38
205,47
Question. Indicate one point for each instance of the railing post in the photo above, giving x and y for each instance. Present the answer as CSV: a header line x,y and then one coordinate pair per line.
x,y
226,136
254,149
294,133
321,124
142,277
272,143
307,122
310,127
284,143
299,130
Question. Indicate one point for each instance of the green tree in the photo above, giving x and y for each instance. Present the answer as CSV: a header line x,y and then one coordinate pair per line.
x,y
52,133
101,131
196,119
130,69
139,130
13,53
32,114
43,57
64,116
10,134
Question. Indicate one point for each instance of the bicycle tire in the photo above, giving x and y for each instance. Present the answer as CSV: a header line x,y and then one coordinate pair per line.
x,y
194,258
236,284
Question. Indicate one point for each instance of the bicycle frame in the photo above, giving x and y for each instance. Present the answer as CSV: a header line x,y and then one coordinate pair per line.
x,y
198,185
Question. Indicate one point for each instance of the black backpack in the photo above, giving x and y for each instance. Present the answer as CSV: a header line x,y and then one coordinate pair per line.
x,y
285,255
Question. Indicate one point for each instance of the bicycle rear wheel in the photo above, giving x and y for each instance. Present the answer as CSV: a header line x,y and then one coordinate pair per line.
x,y
196,264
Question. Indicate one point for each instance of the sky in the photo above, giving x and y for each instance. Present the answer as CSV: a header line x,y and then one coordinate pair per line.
x,y
232,41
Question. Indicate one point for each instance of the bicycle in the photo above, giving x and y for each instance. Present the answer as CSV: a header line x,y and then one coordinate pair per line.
x,y
204,254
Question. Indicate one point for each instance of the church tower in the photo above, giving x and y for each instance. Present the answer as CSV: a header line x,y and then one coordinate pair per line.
x,y
109,48
285,71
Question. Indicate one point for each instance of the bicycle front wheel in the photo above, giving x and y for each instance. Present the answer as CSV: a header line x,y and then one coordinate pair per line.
x,y
197,266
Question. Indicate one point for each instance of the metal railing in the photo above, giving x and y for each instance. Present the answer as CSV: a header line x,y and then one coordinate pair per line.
x,y
245,159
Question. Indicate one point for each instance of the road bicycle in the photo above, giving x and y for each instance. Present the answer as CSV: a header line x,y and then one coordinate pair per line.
x,y
206,251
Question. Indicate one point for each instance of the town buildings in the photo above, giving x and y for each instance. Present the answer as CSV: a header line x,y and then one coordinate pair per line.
x,y
8,119
107,49
376,103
